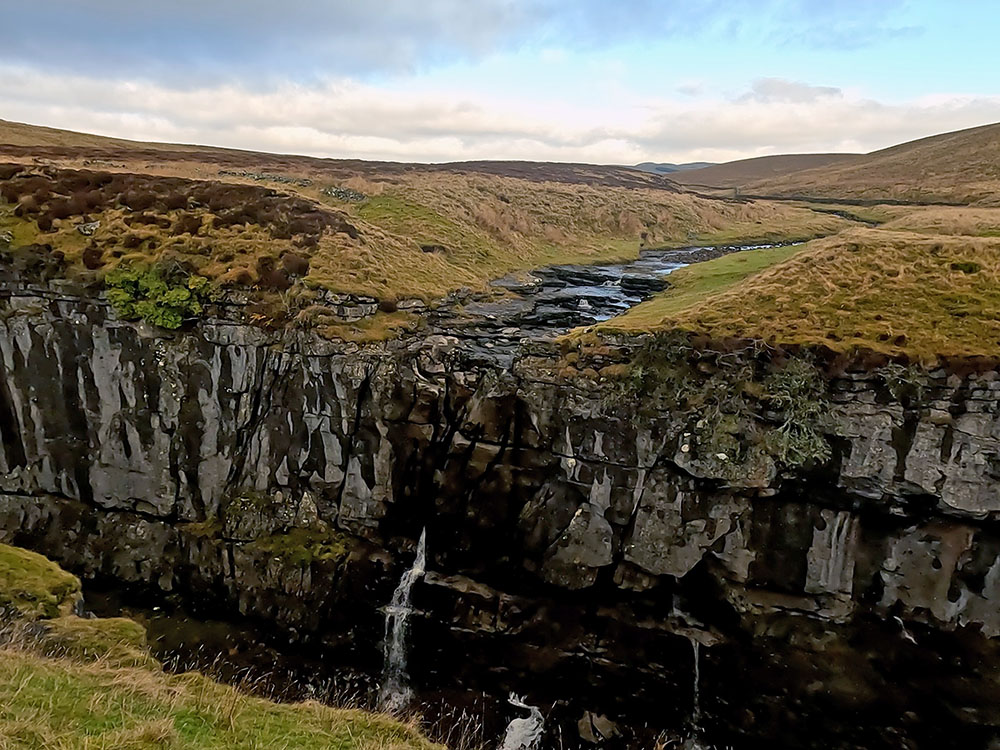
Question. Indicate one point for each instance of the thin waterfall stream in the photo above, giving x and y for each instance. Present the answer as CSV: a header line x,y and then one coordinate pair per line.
x,y
395,694
696,690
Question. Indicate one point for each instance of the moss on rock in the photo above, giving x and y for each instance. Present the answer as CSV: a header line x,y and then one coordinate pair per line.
x,y
34,587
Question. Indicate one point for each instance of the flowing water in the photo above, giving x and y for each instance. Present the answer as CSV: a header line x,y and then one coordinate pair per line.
x,y
396,694
695,689
524,733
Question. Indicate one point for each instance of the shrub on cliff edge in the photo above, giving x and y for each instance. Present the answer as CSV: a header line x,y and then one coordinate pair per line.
x,y
161,298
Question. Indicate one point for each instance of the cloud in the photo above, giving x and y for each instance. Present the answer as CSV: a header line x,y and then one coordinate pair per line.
x,y
783,90
350,119
260,41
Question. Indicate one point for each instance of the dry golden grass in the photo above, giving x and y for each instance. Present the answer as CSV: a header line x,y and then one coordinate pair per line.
x,y
485,226
898,293
744,171
948,220
959,167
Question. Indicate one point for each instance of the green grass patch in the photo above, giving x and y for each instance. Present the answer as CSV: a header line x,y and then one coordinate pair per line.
x,y
59,704
302,547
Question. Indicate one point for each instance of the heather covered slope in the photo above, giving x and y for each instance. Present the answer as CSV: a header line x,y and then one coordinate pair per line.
x,y
959,167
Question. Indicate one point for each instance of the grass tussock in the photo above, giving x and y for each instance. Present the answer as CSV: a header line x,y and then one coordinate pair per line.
x,y
70,683
896,293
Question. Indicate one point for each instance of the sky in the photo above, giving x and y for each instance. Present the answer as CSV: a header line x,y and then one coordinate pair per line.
x,y
609,81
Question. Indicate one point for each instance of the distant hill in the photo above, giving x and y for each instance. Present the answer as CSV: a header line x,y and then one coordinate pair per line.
x,y
668,168
740,173
958,167
20,140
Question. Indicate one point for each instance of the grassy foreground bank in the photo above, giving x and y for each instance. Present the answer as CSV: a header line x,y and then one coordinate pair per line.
x,y
68,682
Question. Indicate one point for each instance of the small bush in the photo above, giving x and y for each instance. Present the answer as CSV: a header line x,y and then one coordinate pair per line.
x,y
60,209
187,224
270,277
174,202
93,258
294,264
27,206
966,267
160,298
10,192
138,200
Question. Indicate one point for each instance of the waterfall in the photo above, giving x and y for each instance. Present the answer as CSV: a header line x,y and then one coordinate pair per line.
x,y
694,741
696,689
395,694
523,734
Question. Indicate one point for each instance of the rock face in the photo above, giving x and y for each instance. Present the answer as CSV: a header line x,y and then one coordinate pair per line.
x,y
575,549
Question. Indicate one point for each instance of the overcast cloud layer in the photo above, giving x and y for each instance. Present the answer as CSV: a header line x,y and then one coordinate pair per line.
x,y
531,79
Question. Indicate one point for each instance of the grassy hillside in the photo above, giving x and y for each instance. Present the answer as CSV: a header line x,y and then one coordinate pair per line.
x,y
959,167
386,230
745,171
900,293
68,683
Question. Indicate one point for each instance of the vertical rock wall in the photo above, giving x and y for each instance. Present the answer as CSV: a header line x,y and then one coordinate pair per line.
x,y
575,547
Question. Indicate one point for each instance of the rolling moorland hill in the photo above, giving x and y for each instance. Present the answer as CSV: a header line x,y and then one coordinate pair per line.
x,y
745,171
959,167
391,231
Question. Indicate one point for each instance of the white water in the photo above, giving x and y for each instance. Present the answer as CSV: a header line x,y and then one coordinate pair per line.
x,y
694,742
395,694
523,733
696,689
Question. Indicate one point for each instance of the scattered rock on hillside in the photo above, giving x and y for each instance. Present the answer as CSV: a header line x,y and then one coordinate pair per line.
x,y
267,177
344,194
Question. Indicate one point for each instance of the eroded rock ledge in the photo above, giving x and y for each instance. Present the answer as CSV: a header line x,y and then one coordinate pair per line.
x,y
577,546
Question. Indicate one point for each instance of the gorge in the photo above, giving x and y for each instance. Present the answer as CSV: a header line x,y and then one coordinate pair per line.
x,y
624,562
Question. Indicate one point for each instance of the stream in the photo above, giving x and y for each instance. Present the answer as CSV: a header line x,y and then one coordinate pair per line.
x,y
550,301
